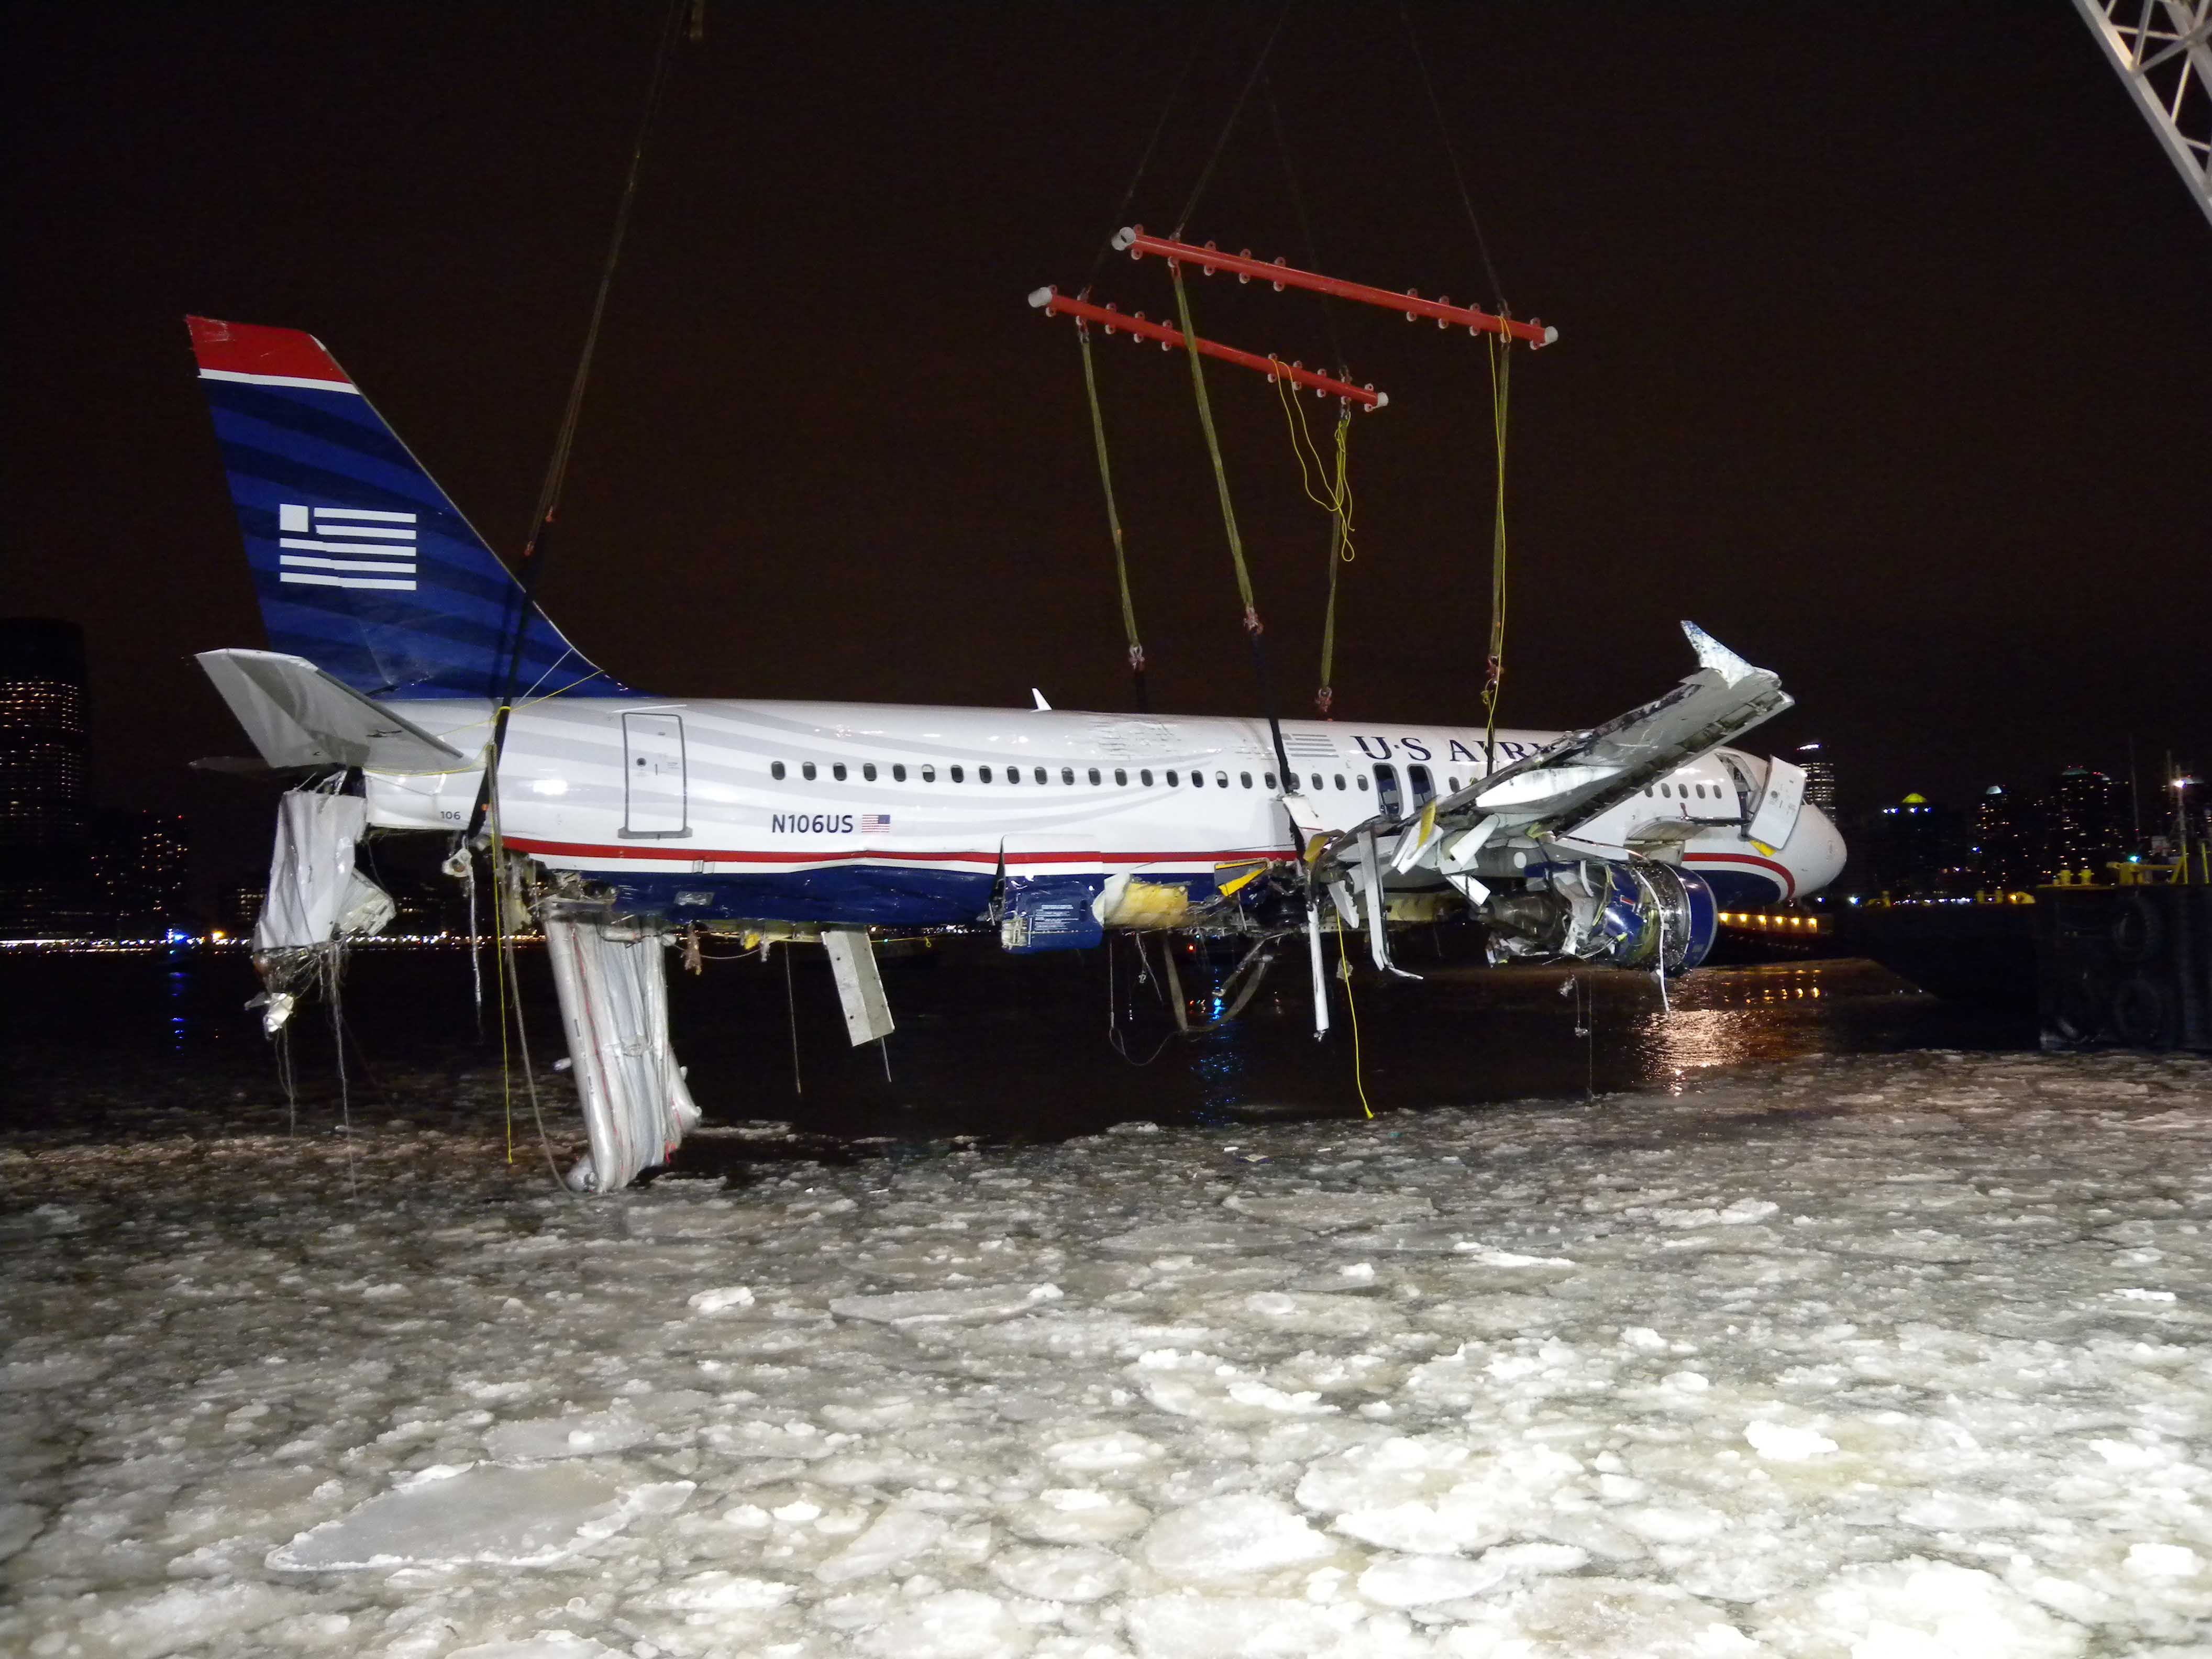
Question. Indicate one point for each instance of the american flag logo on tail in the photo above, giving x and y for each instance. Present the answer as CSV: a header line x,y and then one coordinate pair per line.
x,y
345,547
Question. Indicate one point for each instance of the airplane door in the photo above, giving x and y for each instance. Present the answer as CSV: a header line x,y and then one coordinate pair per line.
x,y
1778,807
653,796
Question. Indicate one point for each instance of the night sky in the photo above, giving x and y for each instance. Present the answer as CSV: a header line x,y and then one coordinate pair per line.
x,y
1886,353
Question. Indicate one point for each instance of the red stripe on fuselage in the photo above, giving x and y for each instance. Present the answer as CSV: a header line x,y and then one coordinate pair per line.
x,y
249,349
889,855
1789,877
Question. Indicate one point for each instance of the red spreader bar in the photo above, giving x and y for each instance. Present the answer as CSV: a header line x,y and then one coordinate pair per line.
x,y
1132,240
1054,303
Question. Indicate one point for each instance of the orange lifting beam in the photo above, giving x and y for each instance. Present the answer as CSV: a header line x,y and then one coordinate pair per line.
x,y
1209,258
1054,303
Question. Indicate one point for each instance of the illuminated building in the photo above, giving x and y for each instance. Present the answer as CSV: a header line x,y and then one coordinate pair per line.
x,y
1819,777
2003,852
1911,847
43,773
136,867
2084,822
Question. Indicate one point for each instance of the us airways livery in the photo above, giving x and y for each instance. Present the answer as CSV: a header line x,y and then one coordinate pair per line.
x,y
628,818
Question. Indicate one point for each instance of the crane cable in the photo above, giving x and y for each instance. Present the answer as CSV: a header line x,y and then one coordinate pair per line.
x,y
1113,522
1337,503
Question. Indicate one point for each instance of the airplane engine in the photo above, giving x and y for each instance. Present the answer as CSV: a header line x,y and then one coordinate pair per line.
x,y
1643,914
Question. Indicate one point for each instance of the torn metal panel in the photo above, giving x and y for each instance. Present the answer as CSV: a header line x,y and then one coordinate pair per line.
x,y
613,989
860,986
316,896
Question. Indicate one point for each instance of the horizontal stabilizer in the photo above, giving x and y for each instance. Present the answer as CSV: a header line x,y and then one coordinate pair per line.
x,y
298,715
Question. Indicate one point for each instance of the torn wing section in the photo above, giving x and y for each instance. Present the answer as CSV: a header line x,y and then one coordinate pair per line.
x,y
298,715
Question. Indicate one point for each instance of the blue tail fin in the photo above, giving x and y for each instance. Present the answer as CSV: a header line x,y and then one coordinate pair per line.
x,y
361,563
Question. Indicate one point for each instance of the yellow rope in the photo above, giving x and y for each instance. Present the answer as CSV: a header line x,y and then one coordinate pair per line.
x,y
1214,449
1337,504
1501,380
1113,516
1344,973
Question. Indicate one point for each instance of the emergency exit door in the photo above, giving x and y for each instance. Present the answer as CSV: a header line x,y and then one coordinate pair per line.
x,y
654,804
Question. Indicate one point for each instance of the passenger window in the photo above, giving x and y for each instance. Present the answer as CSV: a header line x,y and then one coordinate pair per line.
x,y
1198,780
1094,774
806,770
1424,788
1316,781
959,775
929,775
898,774
983,774
1067,775
837,771
1172,780
1340,780
1144,777
1245,778
1270,780
1454,782
1121,778
1387,793
868,771
1701,790
1013,775
1040,774
1221,780
1361,780
776,770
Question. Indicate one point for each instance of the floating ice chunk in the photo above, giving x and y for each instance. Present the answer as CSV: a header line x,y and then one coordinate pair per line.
x,y
1200,1386
545,1644
1778,1442
1309,1313
1748,1209
1235,1627
1218,1539
1475,1250
720,1300
1328,1211
1079,1573
984,1302
214,1617
1077,1514
480,1513
755,1438
19,1525
1626,1619
2163,1561
1201,1238
1673,1524
2135,1294
1916,1609
721,1592
1119,1449
898,1535
1415,1580
950,1625
611,1431
1435,1495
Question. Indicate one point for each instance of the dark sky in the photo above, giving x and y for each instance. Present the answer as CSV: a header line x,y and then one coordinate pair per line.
x,y
1886,353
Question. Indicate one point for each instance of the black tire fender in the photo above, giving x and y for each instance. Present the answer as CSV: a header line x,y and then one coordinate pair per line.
x,y
2141,1011
2138,931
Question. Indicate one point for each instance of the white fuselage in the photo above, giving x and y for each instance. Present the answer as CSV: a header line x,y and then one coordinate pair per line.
x,y
806,810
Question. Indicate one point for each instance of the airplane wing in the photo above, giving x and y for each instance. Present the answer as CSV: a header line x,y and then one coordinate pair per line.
x,y
1545,796
298,715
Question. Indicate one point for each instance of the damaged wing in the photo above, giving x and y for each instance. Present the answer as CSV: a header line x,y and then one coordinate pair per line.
x,y
1547,795
298,715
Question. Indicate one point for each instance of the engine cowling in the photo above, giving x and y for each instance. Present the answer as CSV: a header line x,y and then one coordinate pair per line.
x,y
1654,916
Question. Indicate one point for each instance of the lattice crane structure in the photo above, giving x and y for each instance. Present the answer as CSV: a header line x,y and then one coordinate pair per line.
x,y
2162,50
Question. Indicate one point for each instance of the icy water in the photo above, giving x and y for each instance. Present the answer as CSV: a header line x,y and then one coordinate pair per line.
x,y
1787,1350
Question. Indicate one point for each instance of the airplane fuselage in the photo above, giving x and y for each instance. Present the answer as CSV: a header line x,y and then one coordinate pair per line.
x,y
910,815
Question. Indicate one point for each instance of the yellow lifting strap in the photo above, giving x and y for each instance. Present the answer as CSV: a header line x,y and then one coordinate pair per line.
x,y
1337,504
1113,516
1501,380
1214,448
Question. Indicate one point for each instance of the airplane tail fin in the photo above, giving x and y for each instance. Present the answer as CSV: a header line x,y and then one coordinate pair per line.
x,y
361,563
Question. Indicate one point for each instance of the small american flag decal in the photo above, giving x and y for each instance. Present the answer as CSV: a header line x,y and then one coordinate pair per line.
x,y
875,823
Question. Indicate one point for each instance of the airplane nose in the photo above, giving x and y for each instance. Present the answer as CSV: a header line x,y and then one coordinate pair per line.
x,y
1815,853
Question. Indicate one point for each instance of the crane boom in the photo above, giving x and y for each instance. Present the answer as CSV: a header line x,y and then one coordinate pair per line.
x,y
2162,50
